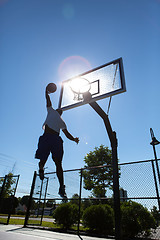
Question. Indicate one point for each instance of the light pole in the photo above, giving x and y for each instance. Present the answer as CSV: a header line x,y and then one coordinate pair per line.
x,y
155,142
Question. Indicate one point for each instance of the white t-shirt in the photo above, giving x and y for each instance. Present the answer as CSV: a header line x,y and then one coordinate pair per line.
x,y
54,120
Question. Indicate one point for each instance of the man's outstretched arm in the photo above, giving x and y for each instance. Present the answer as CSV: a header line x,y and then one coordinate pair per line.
x,y
70,137
49,104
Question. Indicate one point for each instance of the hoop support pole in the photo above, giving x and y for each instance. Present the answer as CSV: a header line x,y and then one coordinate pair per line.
x,y
114,145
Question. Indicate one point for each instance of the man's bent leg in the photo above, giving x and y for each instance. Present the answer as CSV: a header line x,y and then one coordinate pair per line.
x,y
41,164
41,168
59,171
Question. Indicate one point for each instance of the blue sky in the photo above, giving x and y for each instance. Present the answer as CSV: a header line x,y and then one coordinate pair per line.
x,y
40,41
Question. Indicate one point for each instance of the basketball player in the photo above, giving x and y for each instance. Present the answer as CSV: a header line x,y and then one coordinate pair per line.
x,y
51,142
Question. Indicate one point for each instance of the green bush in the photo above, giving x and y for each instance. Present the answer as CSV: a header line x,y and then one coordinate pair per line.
x,y
156,214
85,204
8,205
99,218
20,212
66,215
136,219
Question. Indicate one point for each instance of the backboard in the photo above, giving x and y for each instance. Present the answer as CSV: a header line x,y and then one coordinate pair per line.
x,y
98,83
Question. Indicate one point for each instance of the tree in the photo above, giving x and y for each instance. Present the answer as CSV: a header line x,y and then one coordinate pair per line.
x,y
75,199
9,187
50,203
98,179
24,200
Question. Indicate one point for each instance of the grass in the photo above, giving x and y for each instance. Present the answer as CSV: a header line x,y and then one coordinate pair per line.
x,y
3,220
36,222
16,215
21,222
12,221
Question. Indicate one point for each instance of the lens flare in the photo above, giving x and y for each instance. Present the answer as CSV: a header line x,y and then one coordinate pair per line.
x,y
68,11
73,66
80,85
3,2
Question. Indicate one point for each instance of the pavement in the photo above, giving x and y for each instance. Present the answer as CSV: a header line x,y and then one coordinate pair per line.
x,y
17,232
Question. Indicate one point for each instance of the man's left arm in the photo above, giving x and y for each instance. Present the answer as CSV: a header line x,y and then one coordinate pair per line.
x,y
69,136
48,100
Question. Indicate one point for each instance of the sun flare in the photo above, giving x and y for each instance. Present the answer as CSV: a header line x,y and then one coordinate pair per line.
x,y
80,85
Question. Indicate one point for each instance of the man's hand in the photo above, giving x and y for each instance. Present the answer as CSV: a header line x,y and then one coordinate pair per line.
x,y
76,140
69,136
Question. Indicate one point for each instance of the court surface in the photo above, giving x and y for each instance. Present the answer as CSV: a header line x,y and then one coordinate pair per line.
x,y
16,232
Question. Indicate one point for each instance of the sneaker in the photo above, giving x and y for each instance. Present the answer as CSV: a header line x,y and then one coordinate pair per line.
x,y
62,192
41,174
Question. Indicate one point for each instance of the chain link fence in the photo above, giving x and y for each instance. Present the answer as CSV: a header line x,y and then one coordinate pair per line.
x,y
139,182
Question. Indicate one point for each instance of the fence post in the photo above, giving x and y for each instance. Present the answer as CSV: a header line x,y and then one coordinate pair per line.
x,y
18,176
157,166
12,199
153,143
117,211
39,201
44,201
80,195
30,199
2,189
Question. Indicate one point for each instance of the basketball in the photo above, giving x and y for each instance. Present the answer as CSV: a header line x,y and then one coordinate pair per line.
x,y
51,87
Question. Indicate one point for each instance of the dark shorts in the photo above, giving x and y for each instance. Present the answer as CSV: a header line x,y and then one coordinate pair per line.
x,y
50,143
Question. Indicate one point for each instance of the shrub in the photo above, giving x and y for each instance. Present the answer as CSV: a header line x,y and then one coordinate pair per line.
x,y
85,204
136,219
20,212
8,205
66,215
156,214
99,218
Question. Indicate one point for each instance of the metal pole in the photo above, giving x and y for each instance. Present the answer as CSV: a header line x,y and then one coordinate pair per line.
x,y
156,186
80,195
16,184
11,208
116,189
30,199
44,202
2,190
155,156
39,202
153,143
12,199
113,141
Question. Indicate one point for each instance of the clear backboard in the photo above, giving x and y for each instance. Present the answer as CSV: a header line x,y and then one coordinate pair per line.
x,y
98,83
